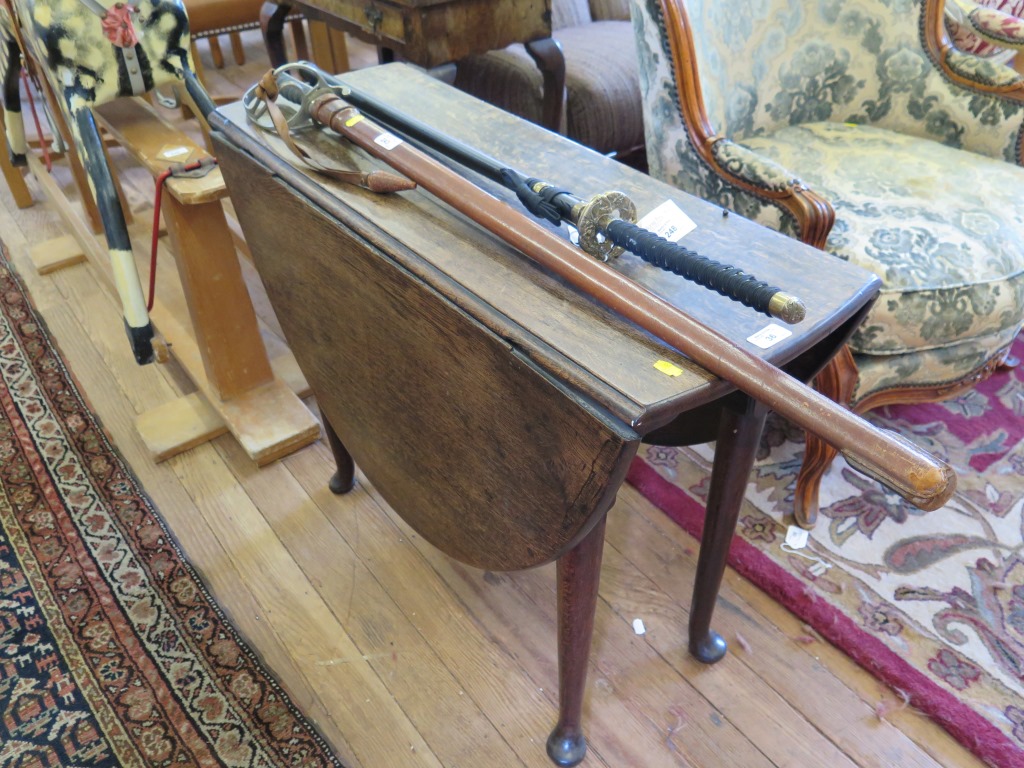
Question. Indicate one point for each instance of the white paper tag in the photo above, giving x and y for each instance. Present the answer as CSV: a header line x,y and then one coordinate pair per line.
x,y
669,221
387,140
171,152
769,336
638,626
574,234
796,537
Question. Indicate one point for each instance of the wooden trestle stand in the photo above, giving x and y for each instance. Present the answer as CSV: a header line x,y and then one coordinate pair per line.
x,y
495,408
205,314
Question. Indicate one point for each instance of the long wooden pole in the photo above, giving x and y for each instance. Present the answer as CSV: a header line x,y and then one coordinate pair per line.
x,y
897,463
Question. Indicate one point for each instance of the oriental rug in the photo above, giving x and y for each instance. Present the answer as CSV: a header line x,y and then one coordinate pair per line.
x,y
932,603
112,652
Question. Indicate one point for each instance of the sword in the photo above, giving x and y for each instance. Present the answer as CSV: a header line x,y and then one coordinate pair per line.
x,y
897,463
605,223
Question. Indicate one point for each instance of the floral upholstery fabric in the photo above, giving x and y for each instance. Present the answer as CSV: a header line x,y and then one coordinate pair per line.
x,y
944,229
821,91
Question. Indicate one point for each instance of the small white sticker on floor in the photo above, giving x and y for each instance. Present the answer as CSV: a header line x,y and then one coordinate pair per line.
x,y
796,537
638,626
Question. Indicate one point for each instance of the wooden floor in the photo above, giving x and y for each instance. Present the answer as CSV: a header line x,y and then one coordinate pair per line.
x,y
405,658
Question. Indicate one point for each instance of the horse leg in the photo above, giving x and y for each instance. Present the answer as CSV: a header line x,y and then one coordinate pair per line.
x,y
10,70
86,136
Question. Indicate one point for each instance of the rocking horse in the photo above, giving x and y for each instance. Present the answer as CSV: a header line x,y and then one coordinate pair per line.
x,y
89,55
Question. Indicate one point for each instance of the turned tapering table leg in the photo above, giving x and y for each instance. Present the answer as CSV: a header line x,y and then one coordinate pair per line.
x,y
345,476
579,573
738,435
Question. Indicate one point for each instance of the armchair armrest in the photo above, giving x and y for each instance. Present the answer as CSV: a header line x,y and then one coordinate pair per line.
x,y
993,25
968,70
757,174
983,73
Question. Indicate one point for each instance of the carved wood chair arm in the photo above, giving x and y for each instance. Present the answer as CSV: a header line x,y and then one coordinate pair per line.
x,y
757,174
970,71
993,25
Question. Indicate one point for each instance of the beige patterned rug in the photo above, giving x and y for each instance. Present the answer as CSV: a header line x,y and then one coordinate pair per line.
x,y
931,602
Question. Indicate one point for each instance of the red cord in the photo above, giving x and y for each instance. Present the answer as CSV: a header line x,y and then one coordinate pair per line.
x,y
39,128
157,201
175,170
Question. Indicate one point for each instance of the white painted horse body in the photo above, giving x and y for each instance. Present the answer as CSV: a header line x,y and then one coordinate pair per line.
x,y
91,54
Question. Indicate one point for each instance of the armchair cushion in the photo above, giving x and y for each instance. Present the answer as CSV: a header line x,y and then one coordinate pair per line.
x,y
943,228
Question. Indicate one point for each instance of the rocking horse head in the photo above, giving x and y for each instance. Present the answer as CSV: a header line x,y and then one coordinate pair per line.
x,y
89,54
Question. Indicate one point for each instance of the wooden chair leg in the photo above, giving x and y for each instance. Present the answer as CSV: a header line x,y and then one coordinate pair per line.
x,y
343,479
738,434
237,49
836,381
299,39
272,18
579,573
215,52
547,55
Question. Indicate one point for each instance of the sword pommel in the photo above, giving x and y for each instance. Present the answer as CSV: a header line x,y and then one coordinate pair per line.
x,y
787,308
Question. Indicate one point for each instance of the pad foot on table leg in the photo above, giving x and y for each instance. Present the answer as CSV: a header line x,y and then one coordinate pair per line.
x,y
709,648
341,483
567,746
344,478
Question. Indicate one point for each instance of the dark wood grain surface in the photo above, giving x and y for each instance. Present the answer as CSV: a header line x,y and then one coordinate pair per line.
x,y
489,458
607,357
434,32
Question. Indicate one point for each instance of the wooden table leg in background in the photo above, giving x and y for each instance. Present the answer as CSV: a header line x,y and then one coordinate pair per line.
x,y
579,573
345,475
547,54
272,18
739,433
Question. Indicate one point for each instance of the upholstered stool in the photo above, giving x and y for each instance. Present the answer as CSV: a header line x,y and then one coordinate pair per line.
x,y
602,83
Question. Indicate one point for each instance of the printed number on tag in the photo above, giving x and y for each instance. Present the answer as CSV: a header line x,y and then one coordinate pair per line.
x,y
769,336
668,221
388,140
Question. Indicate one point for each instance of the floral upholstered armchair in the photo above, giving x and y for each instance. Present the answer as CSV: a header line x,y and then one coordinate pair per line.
x,y
857,127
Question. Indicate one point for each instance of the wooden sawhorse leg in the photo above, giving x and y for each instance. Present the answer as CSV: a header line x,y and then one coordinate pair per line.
x,y
579,573
738,435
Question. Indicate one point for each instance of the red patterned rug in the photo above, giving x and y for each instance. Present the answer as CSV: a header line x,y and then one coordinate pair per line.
x,y
932,603
112,652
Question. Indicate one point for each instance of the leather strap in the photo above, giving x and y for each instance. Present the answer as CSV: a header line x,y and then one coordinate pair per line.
x,y
375,181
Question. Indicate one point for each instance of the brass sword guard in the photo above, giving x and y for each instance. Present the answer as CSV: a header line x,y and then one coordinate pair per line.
x,y
593,217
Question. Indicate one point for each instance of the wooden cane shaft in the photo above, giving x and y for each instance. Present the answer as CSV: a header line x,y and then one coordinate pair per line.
x,y
900,465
